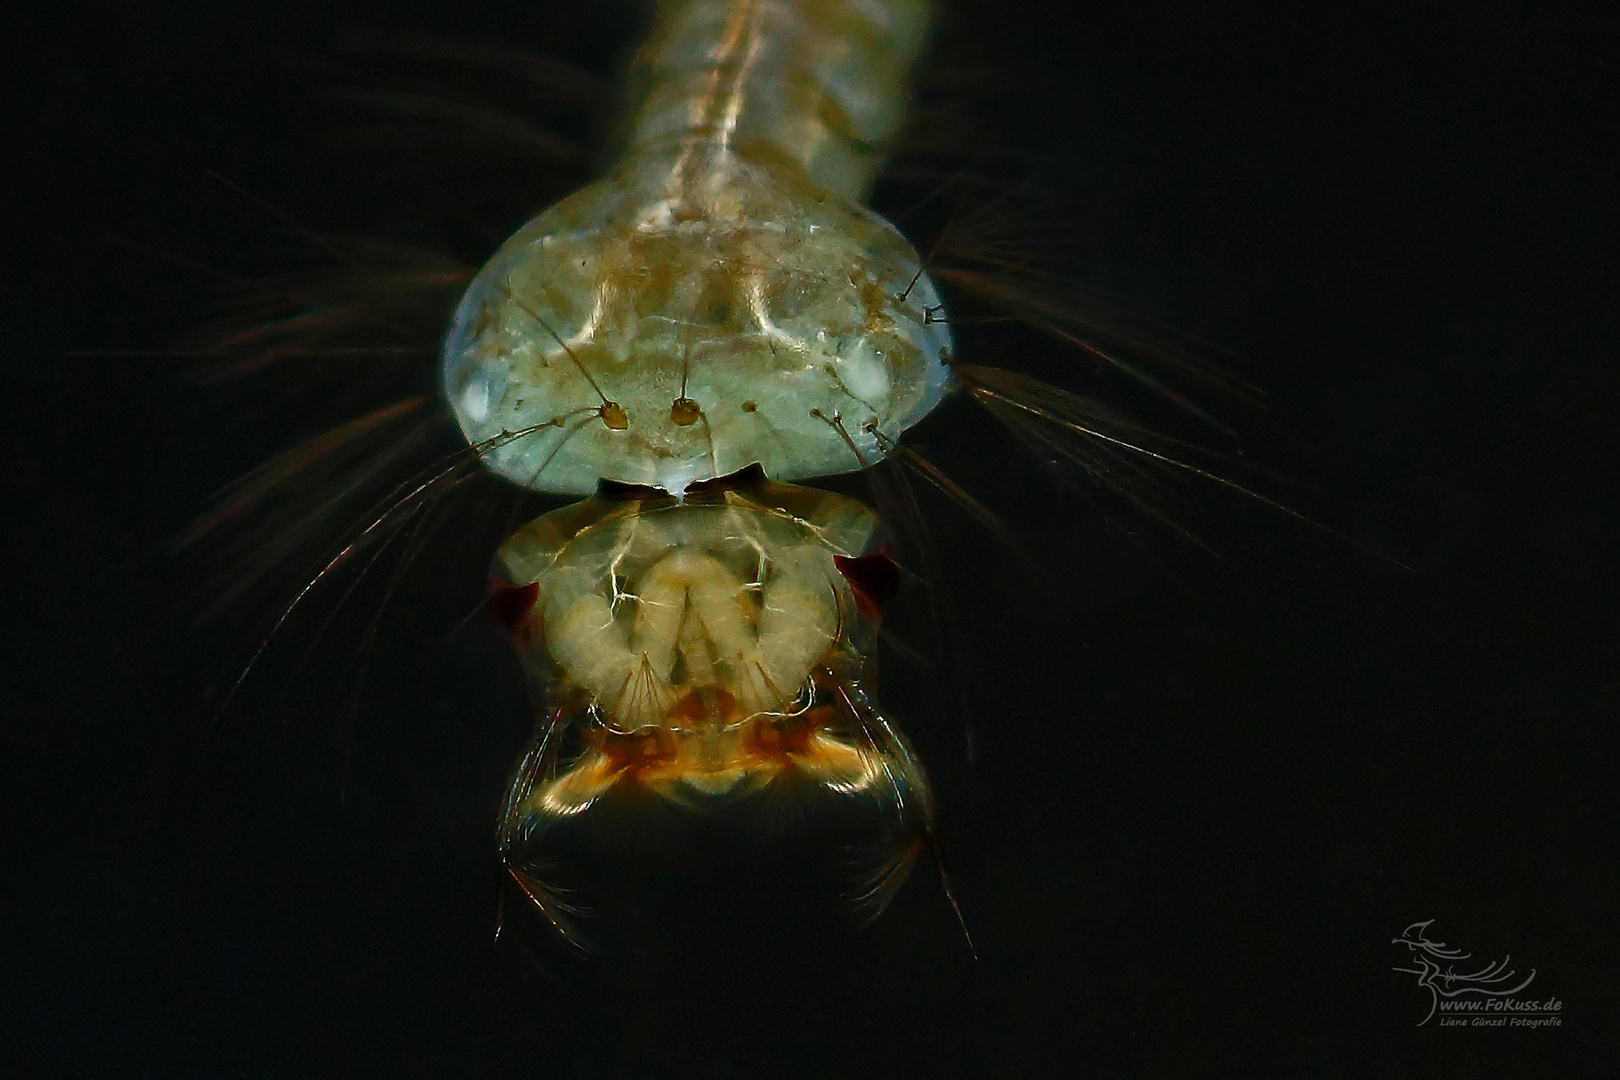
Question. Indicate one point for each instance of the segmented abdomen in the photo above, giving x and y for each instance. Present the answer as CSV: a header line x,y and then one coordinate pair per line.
x,y
818,83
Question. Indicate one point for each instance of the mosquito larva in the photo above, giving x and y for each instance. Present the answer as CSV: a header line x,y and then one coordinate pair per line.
x,y
735,318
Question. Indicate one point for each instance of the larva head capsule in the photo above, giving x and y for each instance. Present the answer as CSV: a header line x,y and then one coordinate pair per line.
x,y
694,645
689,315
699,650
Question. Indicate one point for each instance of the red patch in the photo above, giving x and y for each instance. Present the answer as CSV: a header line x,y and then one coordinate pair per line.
x,y
511,605
873,577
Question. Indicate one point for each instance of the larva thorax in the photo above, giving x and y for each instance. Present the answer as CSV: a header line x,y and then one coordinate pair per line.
x,y
720,298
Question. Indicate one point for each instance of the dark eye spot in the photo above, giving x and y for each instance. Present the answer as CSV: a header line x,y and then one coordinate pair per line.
x,y
874,578
511,605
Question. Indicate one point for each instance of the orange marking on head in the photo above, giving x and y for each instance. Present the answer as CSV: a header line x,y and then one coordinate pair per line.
x,y
702,705
779,741
648,750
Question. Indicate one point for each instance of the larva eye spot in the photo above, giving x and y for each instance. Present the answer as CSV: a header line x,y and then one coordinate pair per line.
x,y
874,578
511,606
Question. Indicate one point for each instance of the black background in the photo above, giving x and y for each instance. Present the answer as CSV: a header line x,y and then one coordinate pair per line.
x,y
1209,789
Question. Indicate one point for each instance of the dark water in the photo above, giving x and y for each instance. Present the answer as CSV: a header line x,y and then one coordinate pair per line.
x,y
1208,791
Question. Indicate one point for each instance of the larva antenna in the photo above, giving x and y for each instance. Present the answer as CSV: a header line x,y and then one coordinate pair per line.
x,y
909,798
521,863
